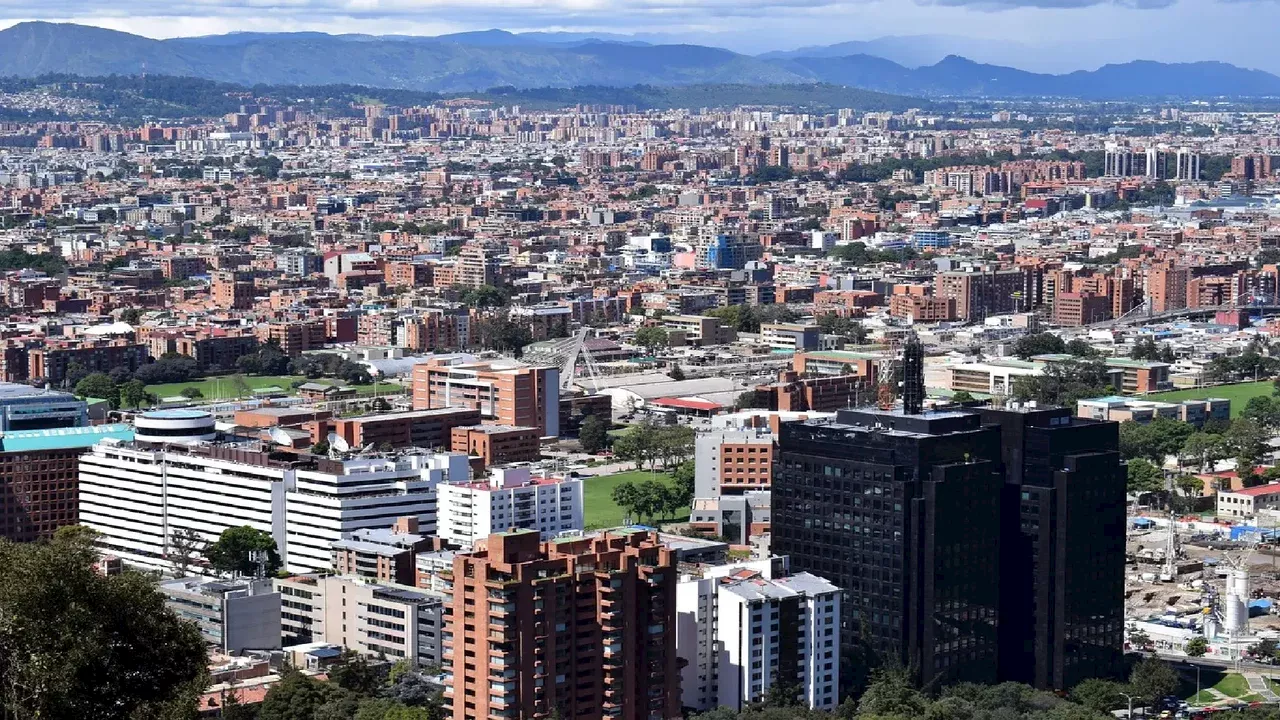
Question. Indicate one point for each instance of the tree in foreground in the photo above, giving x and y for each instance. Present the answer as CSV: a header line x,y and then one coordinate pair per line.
x,y
76,644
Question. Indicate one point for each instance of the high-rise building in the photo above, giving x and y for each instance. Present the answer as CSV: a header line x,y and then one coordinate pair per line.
x,y
1118,161
969,546
1062,547
138,495
902,512
1188,164
744,628
575,628
1167,287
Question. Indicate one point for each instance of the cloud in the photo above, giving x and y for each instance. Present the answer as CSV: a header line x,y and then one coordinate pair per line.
x,y
991,5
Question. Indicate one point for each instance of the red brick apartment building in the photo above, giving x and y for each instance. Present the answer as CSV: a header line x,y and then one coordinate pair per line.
x,y
505,394
575,628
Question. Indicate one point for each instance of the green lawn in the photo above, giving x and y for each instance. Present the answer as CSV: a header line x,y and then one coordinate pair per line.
x,y
1238,394
221,388
598,508
1233,685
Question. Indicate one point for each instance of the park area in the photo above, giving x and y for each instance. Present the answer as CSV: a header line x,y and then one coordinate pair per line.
x,y
224,388
598,508
1239,394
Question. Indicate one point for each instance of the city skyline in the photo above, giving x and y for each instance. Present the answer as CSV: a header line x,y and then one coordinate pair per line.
x,y
1040,35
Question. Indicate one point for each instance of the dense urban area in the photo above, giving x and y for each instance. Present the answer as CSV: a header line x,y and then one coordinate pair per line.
x,y
318,406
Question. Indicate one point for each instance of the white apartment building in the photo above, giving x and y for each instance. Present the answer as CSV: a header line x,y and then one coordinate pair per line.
x,y
511,498
734,624
138,496
363,615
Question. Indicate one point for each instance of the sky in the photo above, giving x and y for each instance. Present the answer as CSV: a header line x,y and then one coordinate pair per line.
x,y
1044,35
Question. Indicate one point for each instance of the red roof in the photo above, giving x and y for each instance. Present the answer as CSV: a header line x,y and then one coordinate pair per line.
x,y
687,404
1270,489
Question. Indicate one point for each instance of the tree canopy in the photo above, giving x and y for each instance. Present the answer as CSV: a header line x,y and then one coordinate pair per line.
x,y
78,644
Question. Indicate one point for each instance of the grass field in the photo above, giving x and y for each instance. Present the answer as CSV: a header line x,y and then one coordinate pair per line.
x,y
598,508
222,389
1238,394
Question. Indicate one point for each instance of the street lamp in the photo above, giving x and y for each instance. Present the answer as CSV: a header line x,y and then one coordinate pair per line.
x,y
1130,698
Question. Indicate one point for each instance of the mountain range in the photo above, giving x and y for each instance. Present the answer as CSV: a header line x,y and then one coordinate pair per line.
x,y
473,61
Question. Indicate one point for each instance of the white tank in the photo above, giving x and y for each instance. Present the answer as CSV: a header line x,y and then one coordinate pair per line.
x,y
1237,602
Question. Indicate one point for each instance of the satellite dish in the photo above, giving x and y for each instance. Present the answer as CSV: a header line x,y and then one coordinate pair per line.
x,y
280,437
338,444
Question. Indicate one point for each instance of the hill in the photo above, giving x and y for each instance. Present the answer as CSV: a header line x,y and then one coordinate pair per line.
x,y
163,96
470,62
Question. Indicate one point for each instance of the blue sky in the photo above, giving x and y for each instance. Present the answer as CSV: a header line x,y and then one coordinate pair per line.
x,y
1051,35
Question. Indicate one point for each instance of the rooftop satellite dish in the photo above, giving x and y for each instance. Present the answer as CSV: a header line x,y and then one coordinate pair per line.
x,y
280,437
338,444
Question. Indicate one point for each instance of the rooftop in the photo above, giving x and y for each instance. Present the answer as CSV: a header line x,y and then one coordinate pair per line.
x,y
62,438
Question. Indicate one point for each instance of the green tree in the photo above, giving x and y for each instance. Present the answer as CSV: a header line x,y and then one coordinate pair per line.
x,y
130,316
1206,449
320,448
1247,440
652,338
1038,344
99,385
1101,696
891,694
594,434
1264,410
240,386
1144,476
682,481
192,393
231,553
1154,440
353,672
1153,679
961,396
626,495
1064,383
77,644
133,394
297,697
1197,646
1081,349
675,373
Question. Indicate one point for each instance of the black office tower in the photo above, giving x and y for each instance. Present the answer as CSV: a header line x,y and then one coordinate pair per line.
x,y
1062,547
902,512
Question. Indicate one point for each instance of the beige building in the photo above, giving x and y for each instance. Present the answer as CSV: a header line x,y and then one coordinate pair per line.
x,y
373,618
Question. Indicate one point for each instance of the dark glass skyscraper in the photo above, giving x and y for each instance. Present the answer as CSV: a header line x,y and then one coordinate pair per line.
x,y
1062,547
970,546
902,512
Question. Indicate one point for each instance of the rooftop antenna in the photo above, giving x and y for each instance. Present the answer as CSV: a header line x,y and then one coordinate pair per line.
x,y
913,376
259,559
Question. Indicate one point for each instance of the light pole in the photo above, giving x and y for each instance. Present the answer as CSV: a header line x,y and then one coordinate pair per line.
x,y
1131,698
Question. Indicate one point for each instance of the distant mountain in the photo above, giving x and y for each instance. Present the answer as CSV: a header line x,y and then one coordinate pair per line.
x,y
473,61
911,50
957,76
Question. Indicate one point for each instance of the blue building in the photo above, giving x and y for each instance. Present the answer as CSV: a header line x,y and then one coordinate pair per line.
x,y
931,239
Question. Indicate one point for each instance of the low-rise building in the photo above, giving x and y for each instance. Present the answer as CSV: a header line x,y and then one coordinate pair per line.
x,y
497,444
511,499
378,619
233,615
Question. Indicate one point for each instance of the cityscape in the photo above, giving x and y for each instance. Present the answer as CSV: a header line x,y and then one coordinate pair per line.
x,y
565,374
